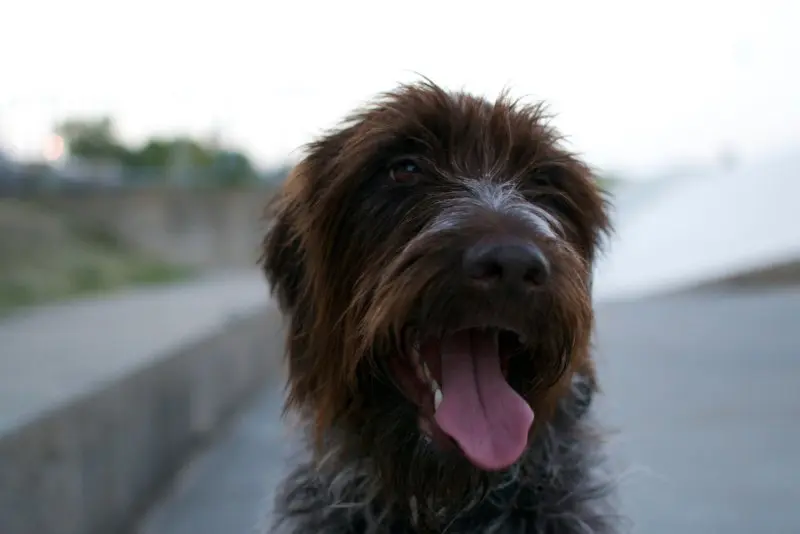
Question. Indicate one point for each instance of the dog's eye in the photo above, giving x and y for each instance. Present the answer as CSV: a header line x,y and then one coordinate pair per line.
x,y
540,179
405,171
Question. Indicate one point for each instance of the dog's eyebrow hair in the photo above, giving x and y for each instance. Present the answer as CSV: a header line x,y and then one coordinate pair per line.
x,y
507,195
549,223
492,193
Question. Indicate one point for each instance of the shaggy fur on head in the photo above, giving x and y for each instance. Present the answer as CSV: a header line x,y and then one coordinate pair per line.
x,y
432,233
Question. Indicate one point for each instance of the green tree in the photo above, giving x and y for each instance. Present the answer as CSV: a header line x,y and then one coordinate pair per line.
x,y
163,153
232,168
92,139
179,159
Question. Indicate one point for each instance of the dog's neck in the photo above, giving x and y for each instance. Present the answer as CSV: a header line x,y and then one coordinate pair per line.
x,y
554,487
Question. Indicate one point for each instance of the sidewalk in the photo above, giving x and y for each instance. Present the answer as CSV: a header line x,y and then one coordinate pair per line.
x,y
52,354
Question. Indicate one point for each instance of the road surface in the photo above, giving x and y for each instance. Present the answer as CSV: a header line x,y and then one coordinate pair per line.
x,y
703,390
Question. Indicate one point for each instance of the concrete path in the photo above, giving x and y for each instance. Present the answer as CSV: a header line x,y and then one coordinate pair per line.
x,y
229,488
703,390
52,354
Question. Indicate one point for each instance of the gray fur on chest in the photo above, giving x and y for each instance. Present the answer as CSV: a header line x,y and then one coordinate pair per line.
x,y
556,488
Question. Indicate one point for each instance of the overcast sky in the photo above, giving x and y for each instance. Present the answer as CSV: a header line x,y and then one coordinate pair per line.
x,y
635,84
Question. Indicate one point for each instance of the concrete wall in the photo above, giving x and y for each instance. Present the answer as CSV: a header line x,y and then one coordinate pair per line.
x,y
210,229
91,465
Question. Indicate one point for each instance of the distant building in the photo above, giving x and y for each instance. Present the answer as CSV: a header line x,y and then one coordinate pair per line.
x,y
98,172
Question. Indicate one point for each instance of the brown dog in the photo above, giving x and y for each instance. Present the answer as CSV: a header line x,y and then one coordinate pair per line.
x,y
434,257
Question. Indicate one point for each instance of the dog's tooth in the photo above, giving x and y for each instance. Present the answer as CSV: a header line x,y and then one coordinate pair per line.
x,y
420,373
429,378
415,355
437,398
427,372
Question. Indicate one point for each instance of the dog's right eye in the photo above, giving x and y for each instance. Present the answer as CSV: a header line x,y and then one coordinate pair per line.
x,y
405,171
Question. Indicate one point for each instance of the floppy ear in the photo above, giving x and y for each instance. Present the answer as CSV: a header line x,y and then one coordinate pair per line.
x,y
584,205
282,258
285,264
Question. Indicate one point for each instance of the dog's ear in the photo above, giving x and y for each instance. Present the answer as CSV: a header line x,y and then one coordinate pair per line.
x,y
282,257
287,262
585,205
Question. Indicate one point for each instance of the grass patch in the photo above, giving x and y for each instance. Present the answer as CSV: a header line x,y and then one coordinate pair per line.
x,y
46,257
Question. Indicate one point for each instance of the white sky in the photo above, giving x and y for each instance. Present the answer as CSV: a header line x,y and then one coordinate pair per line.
x,y
634,83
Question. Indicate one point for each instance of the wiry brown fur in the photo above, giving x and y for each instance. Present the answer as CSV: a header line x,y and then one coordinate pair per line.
x,y
357,261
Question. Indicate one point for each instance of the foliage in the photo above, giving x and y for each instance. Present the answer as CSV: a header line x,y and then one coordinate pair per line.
x,y
187,159
91,139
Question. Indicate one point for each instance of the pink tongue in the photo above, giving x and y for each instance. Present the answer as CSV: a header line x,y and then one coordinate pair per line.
x,y
479,410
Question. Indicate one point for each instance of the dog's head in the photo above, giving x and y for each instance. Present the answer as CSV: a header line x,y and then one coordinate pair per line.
x,y
434,255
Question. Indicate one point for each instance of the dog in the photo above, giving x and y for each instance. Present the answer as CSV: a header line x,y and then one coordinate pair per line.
x,y
433,257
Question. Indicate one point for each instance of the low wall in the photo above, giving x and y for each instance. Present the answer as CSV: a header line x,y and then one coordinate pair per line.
x,y
779,274
207,228
92,462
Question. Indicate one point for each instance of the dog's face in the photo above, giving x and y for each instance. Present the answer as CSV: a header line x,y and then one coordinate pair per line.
x,y
434,256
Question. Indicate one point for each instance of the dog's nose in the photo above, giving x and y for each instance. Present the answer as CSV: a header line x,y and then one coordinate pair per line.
x,y
509,263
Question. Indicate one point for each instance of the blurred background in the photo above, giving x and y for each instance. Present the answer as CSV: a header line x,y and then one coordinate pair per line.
x,y
140,374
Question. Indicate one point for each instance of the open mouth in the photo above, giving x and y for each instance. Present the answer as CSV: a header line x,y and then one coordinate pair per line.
x,y
459,382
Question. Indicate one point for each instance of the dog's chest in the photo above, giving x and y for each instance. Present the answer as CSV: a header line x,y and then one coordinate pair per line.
x,y
497,513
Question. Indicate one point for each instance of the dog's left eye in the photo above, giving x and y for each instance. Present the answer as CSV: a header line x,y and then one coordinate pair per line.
x,y
405,171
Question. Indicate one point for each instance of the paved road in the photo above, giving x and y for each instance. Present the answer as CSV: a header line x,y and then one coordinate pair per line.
x,y
703,390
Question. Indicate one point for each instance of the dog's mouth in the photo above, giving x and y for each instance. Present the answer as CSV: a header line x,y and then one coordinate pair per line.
x,y
459,383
